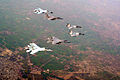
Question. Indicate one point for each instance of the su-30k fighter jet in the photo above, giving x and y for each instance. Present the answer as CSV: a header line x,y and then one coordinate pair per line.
x,y
55,40
41,11
33,48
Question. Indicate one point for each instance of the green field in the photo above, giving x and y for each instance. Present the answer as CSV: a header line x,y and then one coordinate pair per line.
x,y
13,18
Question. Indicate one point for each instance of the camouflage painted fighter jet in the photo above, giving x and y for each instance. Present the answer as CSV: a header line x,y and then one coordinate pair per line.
x,y
55,40
52,17
33,48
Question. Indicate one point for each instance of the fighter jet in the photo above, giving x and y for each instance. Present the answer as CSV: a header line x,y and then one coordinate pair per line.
x,y
41,11
52,17
55,40
33,48
75,34
72,26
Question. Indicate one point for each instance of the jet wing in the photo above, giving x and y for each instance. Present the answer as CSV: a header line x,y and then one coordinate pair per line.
x,y
34,46
29,48
34,51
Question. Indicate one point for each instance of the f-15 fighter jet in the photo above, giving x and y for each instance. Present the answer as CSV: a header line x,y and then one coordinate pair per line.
x,y
72,26
41,11
52,17
55,40
33,48
75,34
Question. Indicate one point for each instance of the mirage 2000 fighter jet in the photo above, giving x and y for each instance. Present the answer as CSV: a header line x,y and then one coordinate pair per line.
x,y
74,34
41,11
72,26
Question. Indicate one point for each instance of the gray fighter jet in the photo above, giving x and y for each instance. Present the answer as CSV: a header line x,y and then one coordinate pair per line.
x,y
55,40
75,34
52,17
72,26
